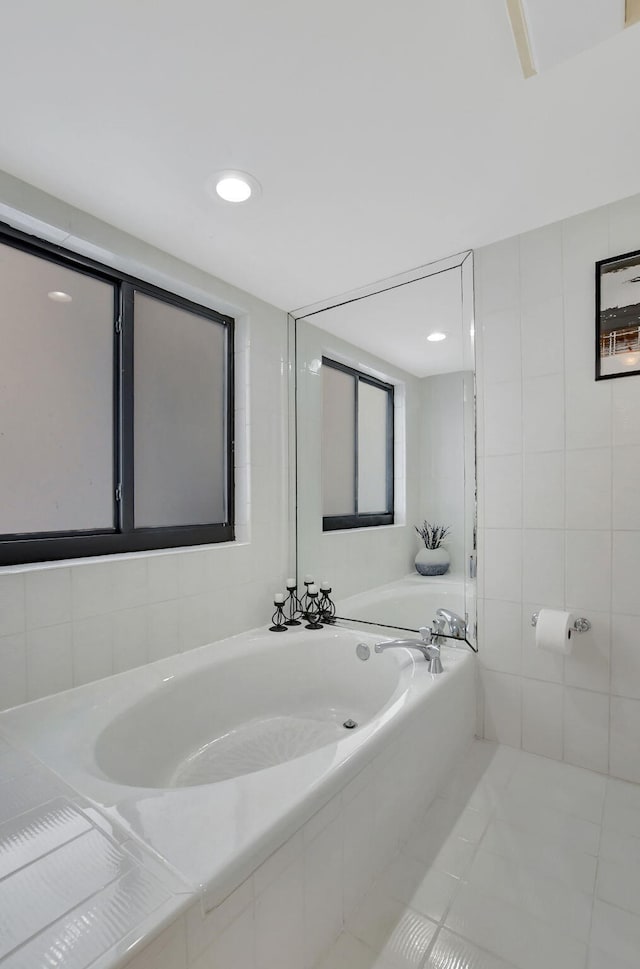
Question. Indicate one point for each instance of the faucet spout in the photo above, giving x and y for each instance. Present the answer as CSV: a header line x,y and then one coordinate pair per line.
x,y
423,644
457,625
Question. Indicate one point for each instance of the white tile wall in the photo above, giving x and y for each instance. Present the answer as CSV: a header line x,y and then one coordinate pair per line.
x,y
559,478
542,718
543,566
502,624
542,349
503,491
586,728
503,417
543,479
502,708
543,413
64,624
503,564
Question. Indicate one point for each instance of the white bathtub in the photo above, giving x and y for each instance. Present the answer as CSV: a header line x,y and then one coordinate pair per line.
x,y
409,602
216,757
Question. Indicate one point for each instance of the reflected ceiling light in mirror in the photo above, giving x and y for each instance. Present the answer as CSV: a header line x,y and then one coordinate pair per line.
x,y
230,185
59,297
436,337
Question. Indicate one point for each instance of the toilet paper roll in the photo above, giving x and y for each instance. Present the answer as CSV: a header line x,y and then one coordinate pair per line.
x,y
554,631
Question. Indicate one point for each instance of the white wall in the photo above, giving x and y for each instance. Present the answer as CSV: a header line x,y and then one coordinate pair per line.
x,y
66,623
559,480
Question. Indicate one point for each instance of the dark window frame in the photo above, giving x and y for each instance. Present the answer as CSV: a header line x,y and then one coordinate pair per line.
x,y
21,548
366,520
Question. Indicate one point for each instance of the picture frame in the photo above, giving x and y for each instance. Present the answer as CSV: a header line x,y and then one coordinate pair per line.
x,y
618,316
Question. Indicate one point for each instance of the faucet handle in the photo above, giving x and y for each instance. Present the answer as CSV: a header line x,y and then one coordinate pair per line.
x,y
426,634
435,663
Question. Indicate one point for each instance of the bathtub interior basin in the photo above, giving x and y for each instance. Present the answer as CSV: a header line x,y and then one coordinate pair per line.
x,y
245,714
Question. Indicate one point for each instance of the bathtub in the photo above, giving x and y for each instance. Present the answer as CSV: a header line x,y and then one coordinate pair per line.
x,y
217,757
409,602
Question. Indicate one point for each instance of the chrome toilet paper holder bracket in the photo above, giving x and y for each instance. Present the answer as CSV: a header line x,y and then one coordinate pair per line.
x,y
581,625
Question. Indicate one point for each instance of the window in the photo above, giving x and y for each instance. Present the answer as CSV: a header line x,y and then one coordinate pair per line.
x,y
357,448
116,398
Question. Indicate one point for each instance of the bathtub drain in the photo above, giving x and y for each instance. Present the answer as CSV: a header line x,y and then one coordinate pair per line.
x,y
350,724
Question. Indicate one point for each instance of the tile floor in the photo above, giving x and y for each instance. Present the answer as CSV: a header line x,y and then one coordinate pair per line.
x,y
522,863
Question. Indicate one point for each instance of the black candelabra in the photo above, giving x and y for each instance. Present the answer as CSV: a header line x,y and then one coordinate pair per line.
x,y
304,602
278,622
314,609
326,604
313,614
292,605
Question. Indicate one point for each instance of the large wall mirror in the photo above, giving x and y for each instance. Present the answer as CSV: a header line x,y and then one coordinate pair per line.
x,y
385,440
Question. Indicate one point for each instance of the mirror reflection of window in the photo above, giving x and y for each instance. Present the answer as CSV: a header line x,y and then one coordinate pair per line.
x,y
357,448
338,442
373,406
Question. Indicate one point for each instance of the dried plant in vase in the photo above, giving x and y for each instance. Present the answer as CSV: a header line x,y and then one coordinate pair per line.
x,y
433,559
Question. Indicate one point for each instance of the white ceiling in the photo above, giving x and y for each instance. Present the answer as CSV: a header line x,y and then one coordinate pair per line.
x,y
384,135
394,324
560,30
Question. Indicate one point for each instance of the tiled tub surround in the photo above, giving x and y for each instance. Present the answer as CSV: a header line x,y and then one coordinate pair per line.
x,y
521,863
558,485
333,817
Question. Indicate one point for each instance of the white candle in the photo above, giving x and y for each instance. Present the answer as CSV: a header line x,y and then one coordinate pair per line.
x,y
325,586
308,579
278,597
291,583
313,590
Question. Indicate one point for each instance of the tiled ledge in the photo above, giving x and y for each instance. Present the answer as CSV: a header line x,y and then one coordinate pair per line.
x,y
74,890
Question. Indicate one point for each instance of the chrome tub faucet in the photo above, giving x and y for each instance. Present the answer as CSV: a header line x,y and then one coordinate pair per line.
x,y
425,645
457,625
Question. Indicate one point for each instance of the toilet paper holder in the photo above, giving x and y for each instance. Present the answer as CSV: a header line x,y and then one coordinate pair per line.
x,y
580,625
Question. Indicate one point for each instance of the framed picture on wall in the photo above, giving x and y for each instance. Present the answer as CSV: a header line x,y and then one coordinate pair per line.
x,y
618,316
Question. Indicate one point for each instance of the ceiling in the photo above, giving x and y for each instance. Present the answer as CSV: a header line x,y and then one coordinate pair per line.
x,y
384,135
557,31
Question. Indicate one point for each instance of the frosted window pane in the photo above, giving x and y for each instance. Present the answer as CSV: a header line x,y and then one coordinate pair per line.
x,y
372,449
179,416
338,445
56,398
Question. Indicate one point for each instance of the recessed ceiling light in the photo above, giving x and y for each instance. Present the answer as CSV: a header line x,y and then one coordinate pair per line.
x,y
233,189
59,297
436,337
232,186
